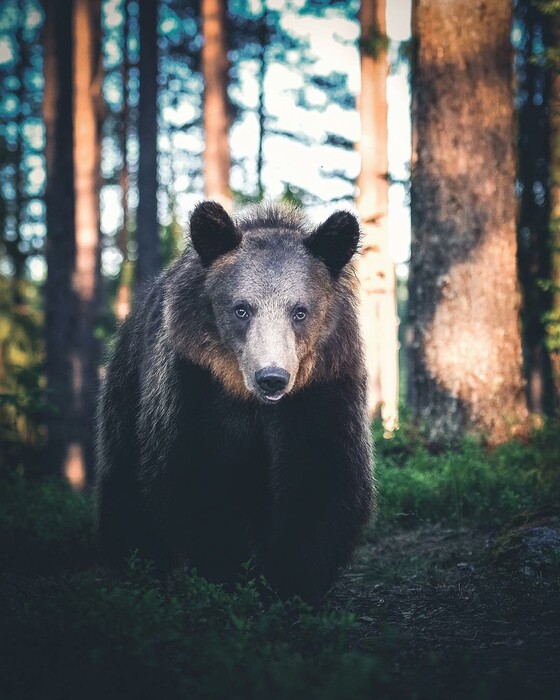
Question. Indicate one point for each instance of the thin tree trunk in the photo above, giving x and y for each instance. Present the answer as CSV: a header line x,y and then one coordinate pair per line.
x,y
534,215
13,246
465,347
216,114
263,43
553,329
123,296
375,268
147,229
86,281
60,242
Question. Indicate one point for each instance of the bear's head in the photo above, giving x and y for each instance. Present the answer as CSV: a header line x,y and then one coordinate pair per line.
x,y
272,283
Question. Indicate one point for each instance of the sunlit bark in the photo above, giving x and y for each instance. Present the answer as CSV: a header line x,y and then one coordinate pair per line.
x,y
465,347
60,242
216,115
375,267
87,105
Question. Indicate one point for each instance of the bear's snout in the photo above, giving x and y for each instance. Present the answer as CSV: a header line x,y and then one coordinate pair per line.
x,y
272,381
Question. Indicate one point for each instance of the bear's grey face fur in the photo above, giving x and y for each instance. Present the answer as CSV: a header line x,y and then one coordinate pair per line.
x,y
270,288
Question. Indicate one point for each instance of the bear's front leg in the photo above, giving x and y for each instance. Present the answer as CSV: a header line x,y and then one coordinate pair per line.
x,y
322,487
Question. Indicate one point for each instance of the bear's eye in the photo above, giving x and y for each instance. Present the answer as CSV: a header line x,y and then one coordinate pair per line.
x,y
300,314
241,311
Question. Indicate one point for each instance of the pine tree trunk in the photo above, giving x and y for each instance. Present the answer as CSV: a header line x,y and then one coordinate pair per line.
x,y
147,228
554,325
123,296
534,216
86,282
263,44
378,309
465,346
216,114
60,243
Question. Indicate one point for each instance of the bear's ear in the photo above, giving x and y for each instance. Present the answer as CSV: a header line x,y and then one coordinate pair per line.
x,y
213,233
335,241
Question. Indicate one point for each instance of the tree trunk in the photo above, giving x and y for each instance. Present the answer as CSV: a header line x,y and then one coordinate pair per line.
x,y
147,228
123,296
86,282
378,309
534,216
60,243
216,114
465,346
13,248
264,39
553,328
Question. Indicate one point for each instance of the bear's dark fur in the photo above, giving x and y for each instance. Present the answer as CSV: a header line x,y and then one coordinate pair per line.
x,y
200,459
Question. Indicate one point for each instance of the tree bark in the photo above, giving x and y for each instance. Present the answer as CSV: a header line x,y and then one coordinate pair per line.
x,y
147,228
378,310
86,279
553,328
60,308
465,345
264,39
123,296
534,217
215,68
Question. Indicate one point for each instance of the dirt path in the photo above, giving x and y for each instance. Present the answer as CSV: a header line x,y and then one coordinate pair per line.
x,y
461,624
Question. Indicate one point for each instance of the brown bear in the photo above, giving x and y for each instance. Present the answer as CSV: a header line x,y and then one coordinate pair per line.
x,y
232,422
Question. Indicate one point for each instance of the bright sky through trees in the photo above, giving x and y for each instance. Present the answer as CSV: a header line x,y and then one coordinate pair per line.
x,y
311,160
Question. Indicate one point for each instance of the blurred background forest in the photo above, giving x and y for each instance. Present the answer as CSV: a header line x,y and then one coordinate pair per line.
x,y
440,127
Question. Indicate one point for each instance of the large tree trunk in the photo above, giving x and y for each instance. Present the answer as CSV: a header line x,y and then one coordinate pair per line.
x,y
60,242
465,346
553,328
216,114
375,268
147,229
86,282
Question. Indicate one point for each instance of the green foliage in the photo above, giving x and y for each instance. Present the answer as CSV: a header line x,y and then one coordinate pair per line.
x,y
72,629
242,199
172,240
293,196
548,7
44,525
93,637
88,634
375,42
23,402
419,484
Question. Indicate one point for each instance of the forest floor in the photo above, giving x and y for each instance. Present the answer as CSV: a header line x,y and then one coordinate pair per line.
x,y
454,594
430,606
466,620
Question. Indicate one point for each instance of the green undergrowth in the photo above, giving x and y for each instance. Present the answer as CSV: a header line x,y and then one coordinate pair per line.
x,y
421,483
71,629
44,526
86,635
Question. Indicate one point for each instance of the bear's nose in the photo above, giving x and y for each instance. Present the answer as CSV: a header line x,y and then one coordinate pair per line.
x,y
272,379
